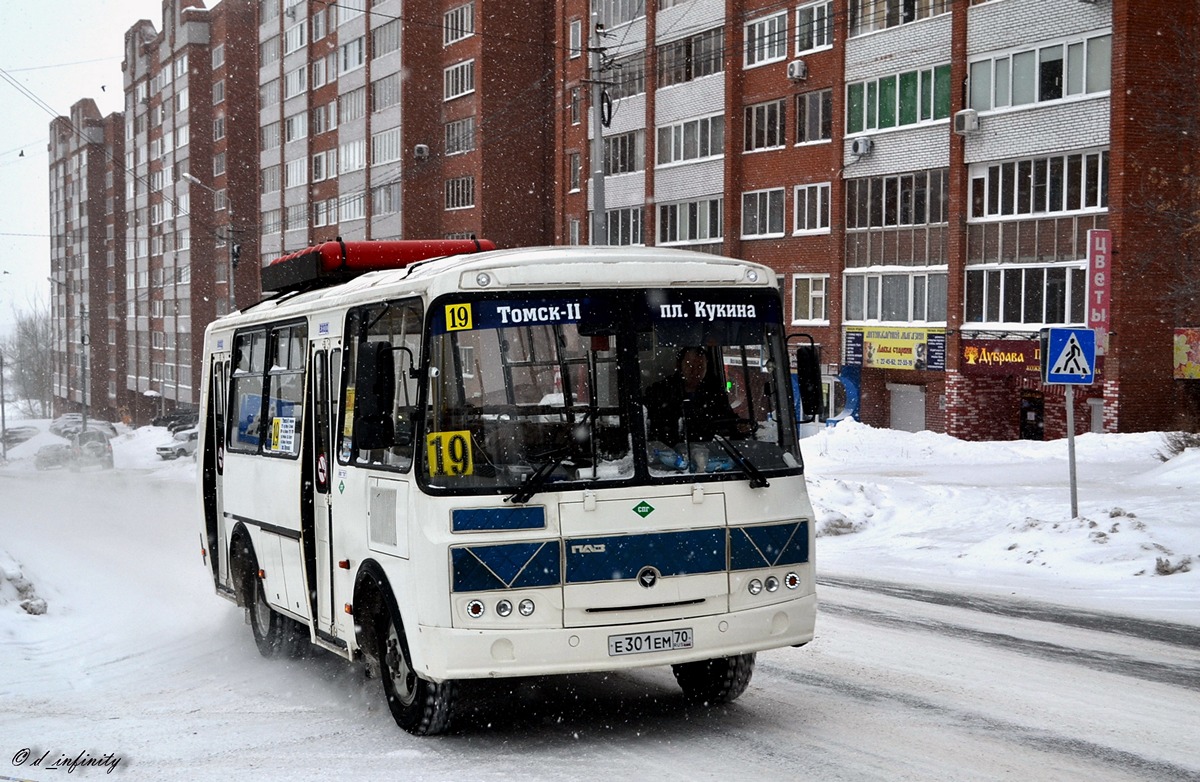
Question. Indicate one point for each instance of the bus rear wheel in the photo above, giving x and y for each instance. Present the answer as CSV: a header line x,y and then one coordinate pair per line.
x,y
711,682
419,706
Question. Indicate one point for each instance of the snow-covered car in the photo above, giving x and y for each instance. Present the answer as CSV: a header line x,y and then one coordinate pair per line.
x,y
183,444
54,455
91,448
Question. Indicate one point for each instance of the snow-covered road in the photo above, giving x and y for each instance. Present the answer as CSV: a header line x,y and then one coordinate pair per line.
x,y
137,661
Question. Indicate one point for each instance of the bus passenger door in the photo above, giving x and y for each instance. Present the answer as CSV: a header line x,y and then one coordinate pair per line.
x,y
216,530
321,459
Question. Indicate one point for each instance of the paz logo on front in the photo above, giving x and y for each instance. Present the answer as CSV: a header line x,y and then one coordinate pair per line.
x,y
643,509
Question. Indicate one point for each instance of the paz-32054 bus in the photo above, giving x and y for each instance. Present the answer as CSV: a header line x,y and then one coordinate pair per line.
x,y
472,466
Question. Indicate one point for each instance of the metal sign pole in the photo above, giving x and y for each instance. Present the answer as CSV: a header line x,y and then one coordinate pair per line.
x,y
1071,450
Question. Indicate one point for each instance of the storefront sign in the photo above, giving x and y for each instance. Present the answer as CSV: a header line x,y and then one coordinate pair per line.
x,y
1099,254
1000,358
1187,354
896,348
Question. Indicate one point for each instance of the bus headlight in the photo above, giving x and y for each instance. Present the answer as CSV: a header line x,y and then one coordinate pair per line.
x,y
504,608
755,586
772,584
526,607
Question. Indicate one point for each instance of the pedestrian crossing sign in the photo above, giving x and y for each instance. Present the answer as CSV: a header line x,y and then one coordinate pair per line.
x,y
1069,356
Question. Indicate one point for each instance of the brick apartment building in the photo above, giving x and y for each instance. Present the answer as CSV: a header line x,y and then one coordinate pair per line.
x,y
923,175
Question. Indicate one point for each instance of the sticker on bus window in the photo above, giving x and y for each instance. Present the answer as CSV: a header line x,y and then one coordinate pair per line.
x,y
283,434
449,453
458,317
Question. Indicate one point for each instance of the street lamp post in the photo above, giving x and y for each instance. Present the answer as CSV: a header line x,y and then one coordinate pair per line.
x,y
3,419
229,238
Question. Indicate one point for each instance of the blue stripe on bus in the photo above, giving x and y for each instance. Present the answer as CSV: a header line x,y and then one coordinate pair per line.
x,y
487,519
769,546
505,566
620,557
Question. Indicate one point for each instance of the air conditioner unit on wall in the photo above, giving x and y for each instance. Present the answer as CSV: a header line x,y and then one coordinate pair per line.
x,y
966,122
861,146
797,70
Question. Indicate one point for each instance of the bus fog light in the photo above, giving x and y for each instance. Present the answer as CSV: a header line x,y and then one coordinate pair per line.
x,y
483,279
526,607
504,608
475,609
772,584
791,581
755,586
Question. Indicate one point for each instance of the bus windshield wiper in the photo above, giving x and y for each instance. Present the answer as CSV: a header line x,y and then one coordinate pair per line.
x,y
757,479
534,482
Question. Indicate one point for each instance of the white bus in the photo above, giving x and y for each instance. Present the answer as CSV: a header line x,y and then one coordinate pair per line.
x,y
470,466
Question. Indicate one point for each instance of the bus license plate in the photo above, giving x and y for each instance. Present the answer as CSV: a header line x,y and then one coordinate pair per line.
x,y
640,643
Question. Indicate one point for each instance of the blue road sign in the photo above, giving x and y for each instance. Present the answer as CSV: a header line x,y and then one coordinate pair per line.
x,y
1069,356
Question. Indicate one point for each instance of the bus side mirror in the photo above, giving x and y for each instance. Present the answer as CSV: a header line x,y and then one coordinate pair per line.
x,y
808,376
375,381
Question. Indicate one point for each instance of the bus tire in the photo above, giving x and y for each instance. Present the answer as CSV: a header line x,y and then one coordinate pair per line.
x,y
274,634
711,682
419,706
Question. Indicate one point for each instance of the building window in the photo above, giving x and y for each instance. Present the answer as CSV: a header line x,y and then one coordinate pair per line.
x,y
764,126
814,27
353,54
691,221
766,40
624,225
458,23
460,193
898,100
218,164
458,80
618,12
628,77
271,179
385,199
352,105
385,146
917,198
268,52
1027,295
899,297
385,39
808,297
814,116
576,106
295,217
691,140
691,58
324,165
295,82
460,136
575,34
218,56
574,166
573,231
1052,71
295,37
811,208
295,172
762,213
353,206
624,153
219,91
352,156
385,92
1042,185
295,127
869,15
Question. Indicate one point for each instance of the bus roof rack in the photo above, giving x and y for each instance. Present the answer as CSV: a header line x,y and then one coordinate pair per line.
x,y
331,263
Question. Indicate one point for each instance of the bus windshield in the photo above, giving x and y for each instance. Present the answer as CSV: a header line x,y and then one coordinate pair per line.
x,y
612,386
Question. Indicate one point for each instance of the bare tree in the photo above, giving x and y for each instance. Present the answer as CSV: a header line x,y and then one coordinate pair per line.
x,y
28,361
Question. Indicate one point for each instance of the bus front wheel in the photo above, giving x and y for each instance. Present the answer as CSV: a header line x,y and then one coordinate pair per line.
x,y
418,705
711,682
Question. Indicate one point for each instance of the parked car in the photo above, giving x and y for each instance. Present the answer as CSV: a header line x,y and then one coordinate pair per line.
x,y
166,419
183,444
15,435
91,448
50,456
66,421
187,421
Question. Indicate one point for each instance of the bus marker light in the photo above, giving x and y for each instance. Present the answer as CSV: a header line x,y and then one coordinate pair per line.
x,y
772,584
349,609
344,564
791,580
475,609
755,586
504,608
262,573
526,607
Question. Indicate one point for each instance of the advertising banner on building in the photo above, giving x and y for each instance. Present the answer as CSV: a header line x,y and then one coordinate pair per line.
x,y
896,348
1187,354
1099,251
1000,358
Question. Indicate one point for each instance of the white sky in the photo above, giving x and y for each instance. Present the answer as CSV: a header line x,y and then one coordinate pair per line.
x,y
61,51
